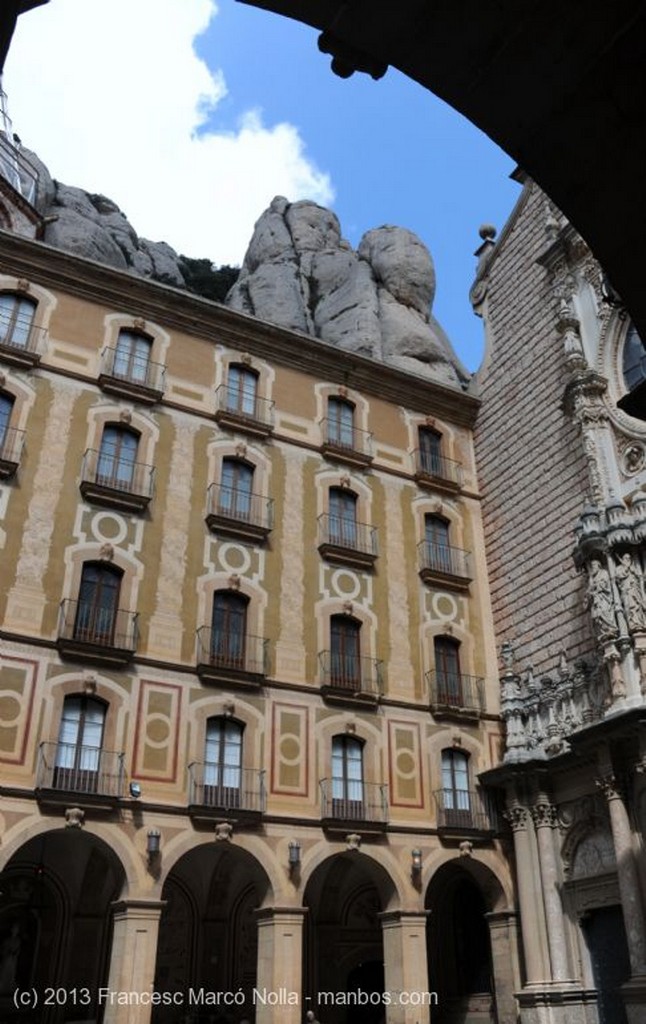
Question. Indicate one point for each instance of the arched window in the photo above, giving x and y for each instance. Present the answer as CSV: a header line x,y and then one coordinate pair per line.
x,y
236,489
340,422
345,652
98,604
430,451
456,799
6,410
229,630
117,458
447,671
16,319
436,543
343,517
80,740
347,777
242,390
223,763
634,359
132,357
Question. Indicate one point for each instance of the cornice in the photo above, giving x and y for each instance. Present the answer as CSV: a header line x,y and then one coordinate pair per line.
x,y
214,322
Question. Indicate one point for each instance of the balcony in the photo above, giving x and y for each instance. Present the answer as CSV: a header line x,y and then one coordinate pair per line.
x,y
347,444
113,480
21,344
350,679
461,812
342,539
239,513
243,411
89,776
15,168
353,805
11,444
89,632
131,376
443,565
454,695
436,472
231,657
221,791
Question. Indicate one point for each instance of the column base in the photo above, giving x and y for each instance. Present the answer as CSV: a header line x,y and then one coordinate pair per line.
x,y
634,996
558,1004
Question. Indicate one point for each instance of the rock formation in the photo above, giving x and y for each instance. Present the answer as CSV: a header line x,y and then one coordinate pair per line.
x,y
300,273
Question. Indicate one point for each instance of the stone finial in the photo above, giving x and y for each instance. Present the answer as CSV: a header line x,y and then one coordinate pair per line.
x,y
353,841
507,654
487,232
74,817
223,832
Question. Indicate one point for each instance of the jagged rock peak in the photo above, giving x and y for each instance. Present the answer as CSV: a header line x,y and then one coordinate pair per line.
x,y
300,273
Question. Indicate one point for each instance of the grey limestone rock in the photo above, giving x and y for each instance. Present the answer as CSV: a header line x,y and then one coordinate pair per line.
x,y
300,273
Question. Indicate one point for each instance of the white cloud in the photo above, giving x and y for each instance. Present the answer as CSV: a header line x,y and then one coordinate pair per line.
x,y
111,96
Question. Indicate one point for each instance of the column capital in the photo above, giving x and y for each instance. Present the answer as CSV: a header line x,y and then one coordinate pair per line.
x,y
544,815
138,908
271,913
393,917
610,785
517,817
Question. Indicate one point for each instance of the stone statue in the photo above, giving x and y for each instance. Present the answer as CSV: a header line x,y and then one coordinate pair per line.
x,y
631,590
599,601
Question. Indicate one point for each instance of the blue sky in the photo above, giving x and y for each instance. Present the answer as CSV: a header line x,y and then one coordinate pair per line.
x,y
259,113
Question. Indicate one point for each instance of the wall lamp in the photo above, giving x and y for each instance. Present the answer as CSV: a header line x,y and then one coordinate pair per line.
x,y
416,862
153,843
294,858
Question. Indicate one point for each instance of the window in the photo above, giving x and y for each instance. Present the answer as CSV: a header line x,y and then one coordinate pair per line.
x,y
455,787
6,410
430,451
132,357
340,422
80,738
343,517
437,549
447,671
16,319
228,629
98,604
235,489
634,359
242,390
223,763
345,657
347,777
117,458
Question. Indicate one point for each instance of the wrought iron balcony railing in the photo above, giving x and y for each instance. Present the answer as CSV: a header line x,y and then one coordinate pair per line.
x,y
345,442
109,477
243,409
342,539
351,673
236,510
455,692
227,654
86,625
80,769
345,800
11,445
133,374
437,470
21,342
443,562
226,788
466,809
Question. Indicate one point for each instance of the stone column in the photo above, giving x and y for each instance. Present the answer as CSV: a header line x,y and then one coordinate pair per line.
x,y
545,821
132,960
504,963
279,978
406,967
626,873
536,969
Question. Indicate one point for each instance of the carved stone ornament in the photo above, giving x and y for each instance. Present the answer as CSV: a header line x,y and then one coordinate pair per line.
x,y
466,848
106,552
517,818
545,815
89,683
223,832
610,786
633,457
345,481
348,607
245,359
234,581
353,841
343,392
74,817
599,601
139,324
241,450
125,416
630,581
22,285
